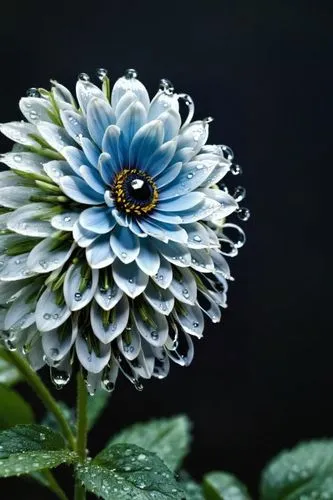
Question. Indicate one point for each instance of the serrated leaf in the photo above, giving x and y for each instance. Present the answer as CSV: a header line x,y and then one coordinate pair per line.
x,y
28,448
13,409
169,438
96,405
305,471
128,472
9,375
224,486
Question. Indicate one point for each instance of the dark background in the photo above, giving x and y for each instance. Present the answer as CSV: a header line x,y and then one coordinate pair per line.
x,y
263,379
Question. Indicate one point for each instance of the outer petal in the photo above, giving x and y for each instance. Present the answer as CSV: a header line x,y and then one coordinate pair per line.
x,y
148,259
123,85
15,268
164,275
125,244
129,343
56,345
227,203
75,297
191,320
129,278
162,102
202,261
153,329
109,297
75,158
184,287
56,169
19,132
99,116
44,258
24,162
74,124
171,121
85,92
175,253
15,198
55,136
82,236
194,135
65,221
35,109
160,300
50,315
21,315
92,361
25,220
118,320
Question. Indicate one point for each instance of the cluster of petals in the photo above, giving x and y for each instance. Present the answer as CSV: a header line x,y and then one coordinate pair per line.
x,y
110,231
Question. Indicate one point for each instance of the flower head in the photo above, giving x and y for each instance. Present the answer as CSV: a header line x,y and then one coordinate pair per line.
x,y
111,230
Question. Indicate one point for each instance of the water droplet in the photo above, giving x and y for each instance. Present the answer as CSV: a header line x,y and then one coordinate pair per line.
x,y
33,92
197,238
44,264
84,77
243,214
131,73
18,261
33,115
186,293
124,255
18,158
209,119
101,73
55,316
54,352
42,436
78,296
236,169
195,324
138,386
166,86
59,377
142,457
239,193
47,316
154,335
130,280
108,385
227,152
67,218
189,176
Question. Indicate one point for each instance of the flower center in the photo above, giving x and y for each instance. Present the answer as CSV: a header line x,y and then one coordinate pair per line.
x,y
134,191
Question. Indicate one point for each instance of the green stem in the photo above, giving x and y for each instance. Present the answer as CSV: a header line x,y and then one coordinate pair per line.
x,y
44,395
54,485
82,431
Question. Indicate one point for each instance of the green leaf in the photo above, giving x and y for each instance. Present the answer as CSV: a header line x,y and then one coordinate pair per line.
x,y
192,490
50,421
128,472
28,448
96,405
13,409
169,438
9,375
305,471
224,486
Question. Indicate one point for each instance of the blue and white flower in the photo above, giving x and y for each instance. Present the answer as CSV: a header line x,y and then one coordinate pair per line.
x,y
113,230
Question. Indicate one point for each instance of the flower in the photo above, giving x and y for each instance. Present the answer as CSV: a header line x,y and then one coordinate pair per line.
x,y
111,230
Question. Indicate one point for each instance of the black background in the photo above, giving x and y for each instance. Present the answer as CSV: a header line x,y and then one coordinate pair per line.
x,y
263,379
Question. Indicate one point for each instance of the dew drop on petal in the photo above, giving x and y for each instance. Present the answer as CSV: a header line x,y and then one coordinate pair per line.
x,y
236,169
239,193
101,73
227,152
197,238
195,324
131,73
33,92
47,316
84,77
59,377
166,86
78,296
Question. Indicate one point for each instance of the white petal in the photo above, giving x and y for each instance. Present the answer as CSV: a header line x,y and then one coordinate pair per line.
x,y
56,345
35,109
99,116
183,286
65,221
89,359
118,320
129,278
123,85
199,237
54,135
154,329
175,253
20,132
85,91
75,124
44,258
24,162
21,195
125,244
191,320
25,221
160,300
202,261
129,343
99,253
75,297
15,268
56,169
109,297
162,102
21,315
164,274
50,315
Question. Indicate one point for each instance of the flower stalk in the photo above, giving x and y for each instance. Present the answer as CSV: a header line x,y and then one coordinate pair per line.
x,y
82,430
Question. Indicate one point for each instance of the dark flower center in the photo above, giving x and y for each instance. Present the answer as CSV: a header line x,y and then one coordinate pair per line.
x,y
134,191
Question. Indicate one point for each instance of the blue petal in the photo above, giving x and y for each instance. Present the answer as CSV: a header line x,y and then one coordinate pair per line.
x,y
175,253
228,204
82,236
184,155
160,103
110,145
152,229
145,142
78,190
164,275
165,217
130,122
172,231
74,124
168,175
161,158
136,229
126,100
148,259
108,297
161,300
75,157
98,219
171,121
107,168
125,244
194,136
191,176
44,258
155,335
93,178
99,116
202,261
184,286
99,253
204,209
85,92
129,278
91,151
122,219
93,362
185,202
76,298
49,314
123,85
108,198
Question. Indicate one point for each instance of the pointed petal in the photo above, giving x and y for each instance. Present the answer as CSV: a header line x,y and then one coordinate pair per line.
x,y
118,319
77,297
58,342
160,300
75,158
15,198
99,253
109,297
145,143
99,219
191,320
92,361
129,278
65,221
15,268
168,174
164,275
50,315
131,120
110,145
55,136
99,116
175,253
82,236
44,258
35,109
129,343
91,151
19,132
154,329
202,261
85,92
75,124
181,203
125,244
124,84
93,179
24,162
56,169
25,220
148,259
183,286
161,158
162,102
79,191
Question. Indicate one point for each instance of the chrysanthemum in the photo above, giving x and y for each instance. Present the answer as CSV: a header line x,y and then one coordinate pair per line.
x,y
111,230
